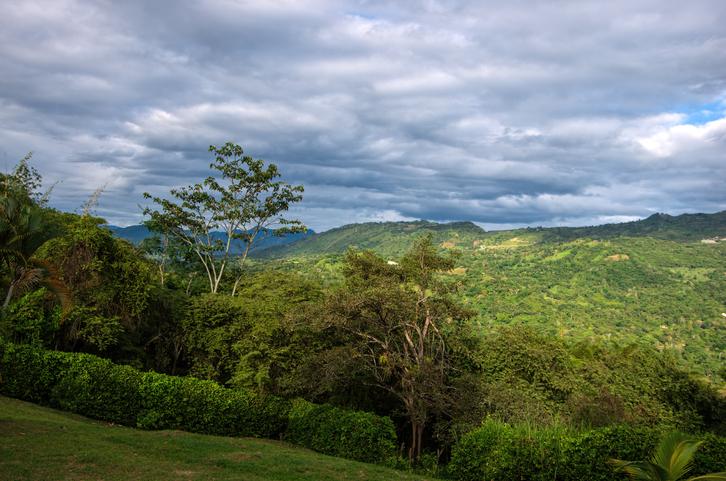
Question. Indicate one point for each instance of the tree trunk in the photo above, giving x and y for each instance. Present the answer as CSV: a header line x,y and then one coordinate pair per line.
x,y
8,296
414,450
236,283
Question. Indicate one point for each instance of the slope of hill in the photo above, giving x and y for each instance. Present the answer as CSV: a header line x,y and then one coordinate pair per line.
x,y
666,294
35,446
387,238
652,281
137,233
392,238
684,228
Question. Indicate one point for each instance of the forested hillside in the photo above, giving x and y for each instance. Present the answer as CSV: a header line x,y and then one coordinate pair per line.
x,y
390,239
652,282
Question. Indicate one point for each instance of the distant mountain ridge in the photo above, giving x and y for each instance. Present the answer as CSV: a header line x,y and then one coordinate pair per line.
x,y
393,238
684,227
137,233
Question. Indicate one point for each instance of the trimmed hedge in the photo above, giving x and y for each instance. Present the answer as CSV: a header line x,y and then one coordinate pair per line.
x,y
97,388
31,374
349,434
499,451
190,404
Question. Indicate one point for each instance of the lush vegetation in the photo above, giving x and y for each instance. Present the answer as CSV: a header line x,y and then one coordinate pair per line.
x,y
501,451
612,290
527,354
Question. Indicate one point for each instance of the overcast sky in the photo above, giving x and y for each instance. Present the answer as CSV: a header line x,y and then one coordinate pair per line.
x,y
503,113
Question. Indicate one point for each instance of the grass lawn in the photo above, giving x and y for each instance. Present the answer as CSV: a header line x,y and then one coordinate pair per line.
x,y
38,443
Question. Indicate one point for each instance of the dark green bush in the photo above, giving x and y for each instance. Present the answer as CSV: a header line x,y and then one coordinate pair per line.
x,y
711,456
191,404
349,434
99,389
31,374
497,450
586,455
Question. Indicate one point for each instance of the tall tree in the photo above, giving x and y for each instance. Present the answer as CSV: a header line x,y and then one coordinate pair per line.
x,y
245,201
399,319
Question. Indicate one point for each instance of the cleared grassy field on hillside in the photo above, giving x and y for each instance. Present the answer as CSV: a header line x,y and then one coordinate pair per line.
x,y
37,443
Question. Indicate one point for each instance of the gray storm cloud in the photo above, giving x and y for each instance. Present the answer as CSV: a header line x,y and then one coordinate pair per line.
x,y
523,113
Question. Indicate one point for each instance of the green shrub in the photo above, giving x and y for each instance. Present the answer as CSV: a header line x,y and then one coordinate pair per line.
x,y
586,455
711,456
31,374
497,450
195,405
31,319
349,434
99,389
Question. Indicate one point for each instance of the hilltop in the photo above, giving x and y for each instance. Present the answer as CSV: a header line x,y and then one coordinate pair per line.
x,y
392,238
682,228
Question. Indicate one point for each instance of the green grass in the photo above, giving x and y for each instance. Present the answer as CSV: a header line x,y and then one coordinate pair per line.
x,y
38,443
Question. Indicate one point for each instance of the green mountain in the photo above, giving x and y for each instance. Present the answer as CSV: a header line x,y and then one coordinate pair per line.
x,y
390,239
669,295
685,227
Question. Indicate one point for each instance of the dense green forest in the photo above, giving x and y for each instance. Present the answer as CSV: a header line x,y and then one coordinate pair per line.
x,y
438,327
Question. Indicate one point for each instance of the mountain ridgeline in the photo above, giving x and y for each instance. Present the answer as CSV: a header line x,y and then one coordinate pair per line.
x,y
389,239
393,238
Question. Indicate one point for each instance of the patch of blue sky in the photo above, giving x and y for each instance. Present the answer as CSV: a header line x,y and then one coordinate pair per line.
x,y
704,113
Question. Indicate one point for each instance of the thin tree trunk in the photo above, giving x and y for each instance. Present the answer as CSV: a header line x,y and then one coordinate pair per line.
x,y
9,296
412,448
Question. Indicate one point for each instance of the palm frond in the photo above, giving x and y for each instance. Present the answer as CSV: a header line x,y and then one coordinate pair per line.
x,y
671,461
640,470
710,477
675,454
27,279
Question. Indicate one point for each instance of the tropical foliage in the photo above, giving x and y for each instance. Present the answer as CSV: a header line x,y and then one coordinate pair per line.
x,y
672,460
